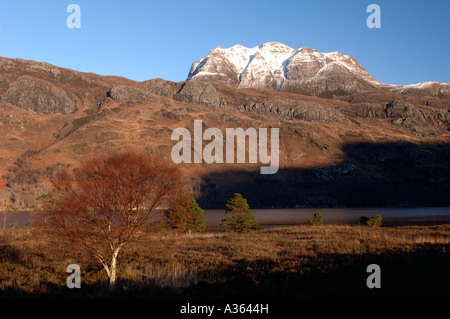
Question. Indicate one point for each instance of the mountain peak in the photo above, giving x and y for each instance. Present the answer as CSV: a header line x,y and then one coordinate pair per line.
x,y
276,65
274,44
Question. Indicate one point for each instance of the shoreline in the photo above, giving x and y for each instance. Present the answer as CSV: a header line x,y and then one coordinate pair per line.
x,y
299,216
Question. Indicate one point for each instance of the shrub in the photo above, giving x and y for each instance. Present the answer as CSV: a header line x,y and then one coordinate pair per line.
x,y
186,215
239,217
374,221
363,220
317,219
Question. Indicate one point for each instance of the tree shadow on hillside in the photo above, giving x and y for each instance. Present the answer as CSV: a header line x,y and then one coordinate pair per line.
x,y
373,174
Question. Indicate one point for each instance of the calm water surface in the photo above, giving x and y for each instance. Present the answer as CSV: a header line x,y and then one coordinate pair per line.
x,y
290,216
268,217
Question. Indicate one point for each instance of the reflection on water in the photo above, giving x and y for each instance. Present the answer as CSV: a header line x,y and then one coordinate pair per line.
x,y
301,215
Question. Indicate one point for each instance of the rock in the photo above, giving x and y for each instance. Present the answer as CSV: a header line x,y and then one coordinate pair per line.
x,y
400,109
39,96
124,92
344,171
288,110
161,87
369,110
419,122
199,93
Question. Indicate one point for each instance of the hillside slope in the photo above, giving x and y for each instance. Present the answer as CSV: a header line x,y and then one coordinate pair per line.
x,y
379,147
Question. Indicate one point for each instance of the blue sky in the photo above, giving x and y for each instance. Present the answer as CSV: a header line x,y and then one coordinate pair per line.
x,y
141,40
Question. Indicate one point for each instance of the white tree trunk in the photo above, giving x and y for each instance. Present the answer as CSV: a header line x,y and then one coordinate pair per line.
x,y
112,270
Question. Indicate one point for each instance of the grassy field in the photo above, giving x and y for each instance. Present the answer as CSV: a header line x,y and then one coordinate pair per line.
x,y
277,262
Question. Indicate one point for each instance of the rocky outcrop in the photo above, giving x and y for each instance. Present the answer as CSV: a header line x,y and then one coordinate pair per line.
x,y
39,96
420,122
402,109
344,171
7,65
199,93
289,110
124,92
161,87
369,110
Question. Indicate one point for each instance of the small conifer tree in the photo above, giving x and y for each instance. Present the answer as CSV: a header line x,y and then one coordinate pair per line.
x,y
317,219
239,217
186,215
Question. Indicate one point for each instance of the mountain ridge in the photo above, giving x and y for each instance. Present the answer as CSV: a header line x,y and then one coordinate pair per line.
x,y
300,70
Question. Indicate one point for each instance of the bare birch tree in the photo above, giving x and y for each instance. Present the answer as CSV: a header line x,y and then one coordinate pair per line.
x,y
104,204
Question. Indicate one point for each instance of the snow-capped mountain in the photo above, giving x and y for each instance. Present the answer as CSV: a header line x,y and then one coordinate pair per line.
x,y
278,66
437,89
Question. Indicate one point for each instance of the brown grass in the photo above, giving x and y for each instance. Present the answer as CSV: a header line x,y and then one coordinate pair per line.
x,y
293,261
